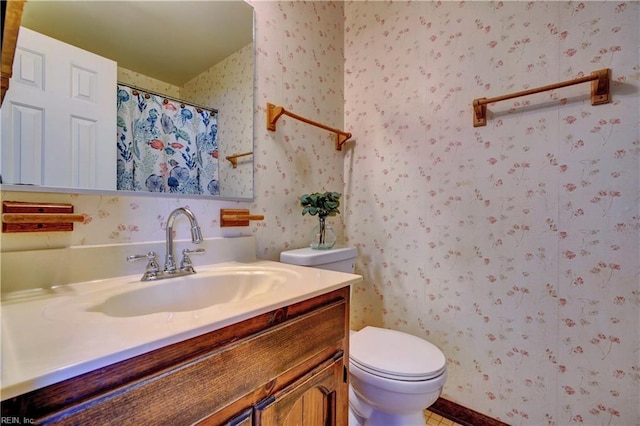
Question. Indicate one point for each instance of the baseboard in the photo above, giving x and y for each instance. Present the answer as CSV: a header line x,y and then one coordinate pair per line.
x,y
462,415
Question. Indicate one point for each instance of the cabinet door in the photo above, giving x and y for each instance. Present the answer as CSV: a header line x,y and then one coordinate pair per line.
x,y
318,398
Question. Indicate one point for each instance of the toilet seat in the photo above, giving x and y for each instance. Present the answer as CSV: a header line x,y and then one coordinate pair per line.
x,y
395,355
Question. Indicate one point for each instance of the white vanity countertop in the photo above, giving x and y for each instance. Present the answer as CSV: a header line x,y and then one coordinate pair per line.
x,y
51,335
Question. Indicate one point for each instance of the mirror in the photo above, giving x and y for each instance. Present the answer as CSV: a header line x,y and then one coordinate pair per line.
x,y
194,40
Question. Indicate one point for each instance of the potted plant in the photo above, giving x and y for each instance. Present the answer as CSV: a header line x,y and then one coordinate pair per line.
x,y
322,204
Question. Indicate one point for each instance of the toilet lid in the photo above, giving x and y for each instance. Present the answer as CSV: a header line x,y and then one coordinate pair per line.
x,y
395,355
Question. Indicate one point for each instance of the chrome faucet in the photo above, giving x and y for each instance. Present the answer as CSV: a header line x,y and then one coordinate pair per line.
x,y
170,270
196,236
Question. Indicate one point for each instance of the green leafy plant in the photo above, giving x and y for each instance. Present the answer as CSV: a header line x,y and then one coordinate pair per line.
x,y
321,204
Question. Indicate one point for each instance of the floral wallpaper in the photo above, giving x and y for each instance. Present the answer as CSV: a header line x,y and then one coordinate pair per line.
x,y
513,247
230,83
113,218
299,63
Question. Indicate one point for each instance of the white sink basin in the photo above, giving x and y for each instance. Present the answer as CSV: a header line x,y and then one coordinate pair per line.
x,y
64,331
191,292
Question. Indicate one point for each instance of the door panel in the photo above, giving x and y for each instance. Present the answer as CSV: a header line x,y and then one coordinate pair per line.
x,y
59,116
311,401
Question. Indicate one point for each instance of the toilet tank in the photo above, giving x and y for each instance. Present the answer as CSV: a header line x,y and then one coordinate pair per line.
x,y
341,259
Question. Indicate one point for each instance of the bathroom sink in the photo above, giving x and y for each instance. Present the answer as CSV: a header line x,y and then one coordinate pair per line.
x,y
191,293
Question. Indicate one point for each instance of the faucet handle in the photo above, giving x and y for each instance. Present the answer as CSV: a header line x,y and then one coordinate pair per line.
x,y
153,269
186,264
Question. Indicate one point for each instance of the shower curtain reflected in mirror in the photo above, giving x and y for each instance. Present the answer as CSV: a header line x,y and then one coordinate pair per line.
x,y
165,145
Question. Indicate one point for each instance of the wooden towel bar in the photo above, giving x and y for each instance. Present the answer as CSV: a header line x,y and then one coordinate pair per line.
x,y
275,112
600,93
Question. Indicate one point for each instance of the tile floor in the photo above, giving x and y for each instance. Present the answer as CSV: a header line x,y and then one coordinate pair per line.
x,y
434,419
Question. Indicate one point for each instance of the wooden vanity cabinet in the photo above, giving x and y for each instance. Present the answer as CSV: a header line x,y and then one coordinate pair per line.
x,y
285,367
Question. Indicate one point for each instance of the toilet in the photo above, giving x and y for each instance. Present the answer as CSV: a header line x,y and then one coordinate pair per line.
x,y
393,375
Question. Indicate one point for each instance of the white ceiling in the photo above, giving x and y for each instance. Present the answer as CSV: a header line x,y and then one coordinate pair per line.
x,y
171,40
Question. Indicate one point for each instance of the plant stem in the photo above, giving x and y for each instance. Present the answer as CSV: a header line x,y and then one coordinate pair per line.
x,y
322,229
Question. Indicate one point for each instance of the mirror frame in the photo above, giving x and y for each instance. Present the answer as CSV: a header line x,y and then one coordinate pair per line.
x,y
12,18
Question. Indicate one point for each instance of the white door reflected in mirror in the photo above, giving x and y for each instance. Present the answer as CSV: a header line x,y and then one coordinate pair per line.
x,y
58,118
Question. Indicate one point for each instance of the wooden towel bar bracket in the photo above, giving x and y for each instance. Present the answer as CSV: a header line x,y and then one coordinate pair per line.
x,y
600,93
20,216
275,112
237,217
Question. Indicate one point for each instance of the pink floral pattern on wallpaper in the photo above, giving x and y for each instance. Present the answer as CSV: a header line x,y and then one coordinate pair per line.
x,y
513,247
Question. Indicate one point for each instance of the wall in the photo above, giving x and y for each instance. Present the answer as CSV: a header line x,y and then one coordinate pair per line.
x,y
300,66
151,84
513,247
119,219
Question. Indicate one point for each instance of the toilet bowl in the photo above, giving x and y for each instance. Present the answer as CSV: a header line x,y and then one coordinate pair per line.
x,y
394,376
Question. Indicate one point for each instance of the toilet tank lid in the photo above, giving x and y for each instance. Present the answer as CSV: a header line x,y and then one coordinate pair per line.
x,y
311,257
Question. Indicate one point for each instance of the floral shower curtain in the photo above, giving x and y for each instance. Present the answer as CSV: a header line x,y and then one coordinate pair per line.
x,y
165,146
